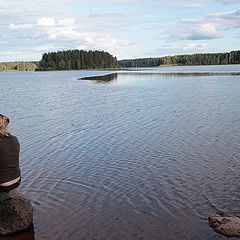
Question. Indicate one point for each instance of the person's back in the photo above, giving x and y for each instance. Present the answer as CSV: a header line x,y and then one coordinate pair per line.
x,y
9,157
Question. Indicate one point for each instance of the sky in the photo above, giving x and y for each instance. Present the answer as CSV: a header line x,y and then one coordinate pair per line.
x,y
126,29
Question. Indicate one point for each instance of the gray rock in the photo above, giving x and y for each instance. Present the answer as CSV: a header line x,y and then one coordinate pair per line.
x,y
227,226
16,212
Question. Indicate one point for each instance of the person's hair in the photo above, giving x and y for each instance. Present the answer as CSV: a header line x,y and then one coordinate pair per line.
x,y
4,120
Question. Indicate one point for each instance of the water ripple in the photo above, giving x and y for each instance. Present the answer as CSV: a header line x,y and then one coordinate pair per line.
x,y
148,156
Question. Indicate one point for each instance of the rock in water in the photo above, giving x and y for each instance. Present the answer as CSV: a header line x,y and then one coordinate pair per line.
x,y
16,212
227,226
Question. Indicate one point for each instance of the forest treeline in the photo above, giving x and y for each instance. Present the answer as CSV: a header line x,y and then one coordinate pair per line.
x,y
18,66
80,59
232,57
76,60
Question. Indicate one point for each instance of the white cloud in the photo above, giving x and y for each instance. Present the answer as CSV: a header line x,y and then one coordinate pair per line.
x,y
203,31
225,20
229,14
65,32
229,1
193,31
195,47
175,4
193,5
221,20
130,1
20,26
86,40
192,20
66,22
43,48
101,41
209,27
114,13
46,22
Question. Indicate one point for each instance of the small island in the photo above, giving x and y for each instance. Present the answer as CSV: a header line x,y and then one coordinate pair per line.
x,y
76,60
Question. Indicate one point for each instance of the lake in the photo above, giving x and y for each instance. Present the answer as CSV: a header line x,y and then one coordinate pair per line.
x,y
144,155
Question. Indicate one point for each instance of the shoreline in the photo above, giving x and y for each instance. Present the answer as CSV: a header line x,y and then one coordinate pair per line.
x,y
118,69
88,69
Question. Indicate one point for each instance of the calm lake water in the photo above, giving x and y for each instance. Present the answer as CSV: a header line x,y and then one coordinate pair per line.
x,y
146,155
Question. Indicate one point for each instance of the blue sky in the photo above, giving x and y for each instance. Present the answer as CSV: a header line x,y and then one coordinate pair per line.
x,y
125,28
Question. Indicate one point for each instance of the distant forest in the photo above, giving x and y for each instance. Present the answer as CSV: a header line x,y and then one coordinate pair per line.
x,y
80,59
18,66
76,60
232,57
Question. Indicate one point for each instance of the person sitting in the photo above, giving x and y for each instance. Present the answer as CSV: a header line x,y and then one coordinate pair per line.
x,y
10,174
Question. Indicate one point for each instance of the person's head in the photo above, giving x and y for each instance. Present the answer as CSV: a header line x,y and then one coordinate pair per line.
x,y
4,121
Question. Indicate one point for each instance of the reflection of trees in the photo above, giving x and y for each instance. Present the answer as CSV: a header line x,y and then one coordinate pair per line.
x,y
103,78
184,74
195,74
107,78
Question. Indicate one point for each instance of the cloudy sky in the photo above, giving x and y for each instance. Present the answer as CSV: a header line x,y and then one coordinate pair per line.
x,y
125,28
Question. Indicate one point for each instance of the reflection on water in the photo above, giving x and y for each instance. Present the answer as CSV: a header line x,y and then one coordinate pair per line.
x,y
184,74
150,157
112,77
101,78
27,234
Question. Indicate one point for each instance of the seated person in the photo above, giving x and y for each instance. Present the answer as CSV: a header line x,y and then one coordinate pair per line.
x,y
10,174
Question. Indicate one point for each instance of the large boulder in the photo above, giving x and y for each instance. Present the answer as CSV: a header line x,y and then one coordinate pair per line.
x,y
227,226
16,212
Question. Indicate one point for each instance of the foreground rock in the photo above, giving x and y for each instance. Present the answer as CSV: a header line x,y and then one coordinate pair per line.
x,y
227,226
16,212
